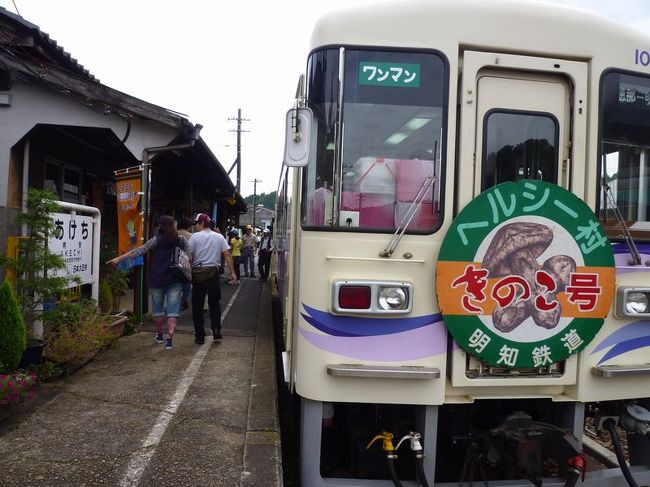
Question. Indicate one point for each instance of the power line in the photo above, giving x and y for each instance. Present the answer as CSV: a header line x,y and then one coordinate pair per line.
x,y
16,7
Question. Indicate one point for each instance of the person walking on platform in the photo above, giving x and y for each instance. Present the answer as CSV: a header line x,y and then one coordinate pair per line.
x,y
248,251
208,250
265,248
235,250
184,230
165,286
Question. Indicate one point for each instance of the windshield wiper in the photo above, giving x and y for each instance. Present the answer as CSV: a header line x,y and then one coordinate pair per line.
x,y
408,217
634,252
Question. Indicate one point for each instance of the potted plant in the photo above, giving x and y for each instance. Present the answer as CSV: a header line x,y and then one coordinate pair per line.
x,y
76,332
118,284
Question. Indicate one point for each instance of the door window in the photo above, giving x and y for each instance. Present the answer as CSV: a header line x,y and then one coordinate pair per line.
x,y
519,145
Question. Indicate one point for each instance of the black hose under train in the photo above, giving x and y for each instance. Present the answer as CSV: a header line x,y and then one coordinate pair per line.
x,y
616,441
420,469
392,472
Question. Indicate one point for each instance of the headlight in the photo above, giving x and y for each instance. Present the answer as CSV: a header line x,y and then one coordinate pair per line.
x,y
393,298
632,302
636,302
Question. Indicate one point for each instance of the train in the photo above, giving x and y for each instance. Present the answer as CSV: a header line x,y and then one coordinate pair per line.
x,y
462,238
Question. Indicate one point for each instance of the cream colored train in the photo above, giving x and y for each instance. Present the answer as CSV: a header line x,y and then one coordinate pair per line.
x,y
412,120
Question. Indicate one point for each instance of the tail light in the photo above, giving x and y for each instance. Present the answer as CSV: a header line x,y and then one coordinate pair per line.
x,y
354,297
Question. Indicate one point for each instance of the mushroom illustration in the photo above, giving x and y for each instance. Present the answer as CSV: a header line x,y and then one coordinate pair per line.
x,y
514,251
560,268
512,238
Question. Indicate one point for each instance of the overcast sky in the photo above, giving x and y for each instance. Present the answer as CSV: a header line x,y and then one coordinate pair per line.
x,y
206,58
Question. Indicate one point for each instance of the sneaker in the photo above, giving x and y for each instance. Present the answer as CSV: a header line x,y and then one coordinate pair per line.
x,y
253,275
168,345
199,341
216,336
159,338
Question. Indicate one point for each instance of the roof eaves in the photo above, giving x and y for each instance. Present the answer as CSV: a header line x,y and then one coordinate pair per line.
x,y
93,93
48,43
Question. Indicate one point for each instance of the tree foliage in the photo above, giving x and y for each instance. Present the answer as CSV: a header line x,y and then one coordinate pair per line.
x,y
267,200
35,268
13,337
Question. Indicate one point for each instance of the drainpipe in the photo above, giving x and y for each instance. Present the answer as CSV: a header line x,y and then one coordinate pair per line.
x,y
146,201
25,182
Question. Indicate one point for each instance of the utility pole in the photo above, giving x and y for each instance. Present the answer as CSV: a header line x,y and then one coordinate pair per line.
x,y
255,181
238,159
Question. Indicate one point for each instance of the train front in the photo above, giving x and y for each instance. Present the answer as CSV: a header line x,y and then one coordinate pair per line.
x,y
467,307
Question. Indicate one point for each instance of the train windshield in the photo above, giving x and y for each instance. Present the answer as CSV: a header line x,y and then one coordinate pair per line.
x,y
625,153
379,122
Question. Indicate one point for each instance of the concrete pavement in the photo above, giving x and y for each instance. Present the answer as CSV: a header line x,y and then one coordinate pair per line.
x,y
140,415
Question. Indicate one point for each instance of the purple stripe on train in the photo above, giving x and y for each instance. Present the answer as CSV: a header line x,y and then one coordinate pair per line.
x,y
414,344
622,248
376,339
353,326
622,258
630,337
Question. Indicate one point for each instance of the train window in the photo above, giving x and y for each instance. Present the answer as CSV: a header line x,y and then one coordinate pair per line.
x,y
519,145
322,97
390,130
625,151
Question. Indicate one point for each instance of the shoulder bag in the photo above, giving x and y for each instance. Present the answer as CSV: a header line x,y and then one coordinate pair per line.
x,y
180,264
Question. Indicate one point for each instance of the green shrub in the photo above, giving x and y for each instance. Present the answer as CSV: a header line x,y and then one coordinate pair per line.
x,y
65,315
105,297
13,336
132,323
74,332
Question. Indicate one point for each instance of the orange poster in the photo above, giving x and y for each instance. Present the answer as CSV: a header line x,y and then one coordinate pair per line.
x,y
129,218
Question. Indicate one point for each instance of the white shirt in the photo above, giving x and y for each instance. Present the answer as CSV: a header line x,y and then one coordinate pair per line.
x,y
206,248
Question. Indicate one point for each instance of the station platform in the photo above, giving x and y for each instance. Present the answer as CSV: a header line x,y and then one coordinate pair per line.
x,y
139,415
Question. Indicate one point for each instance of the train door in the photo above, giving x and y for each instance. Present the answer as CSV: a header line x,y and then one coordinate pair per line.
x,y
521,118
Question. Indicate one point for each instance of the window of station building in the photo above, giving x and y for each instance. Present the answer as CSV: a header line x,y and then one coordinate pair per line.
x,y
63,179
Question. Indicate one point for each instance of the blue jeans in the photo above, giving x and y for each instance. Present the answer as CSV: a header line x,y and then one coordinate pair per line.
x,y
248,256
168,297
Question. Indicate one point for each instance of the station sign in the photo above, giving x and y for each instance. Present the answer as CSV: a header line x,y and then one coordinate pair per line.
x,y
525,275
73,241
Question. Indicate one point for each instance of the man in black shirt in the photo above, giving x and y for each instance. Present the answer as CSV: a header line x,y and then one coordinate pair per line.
x,y
264,254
